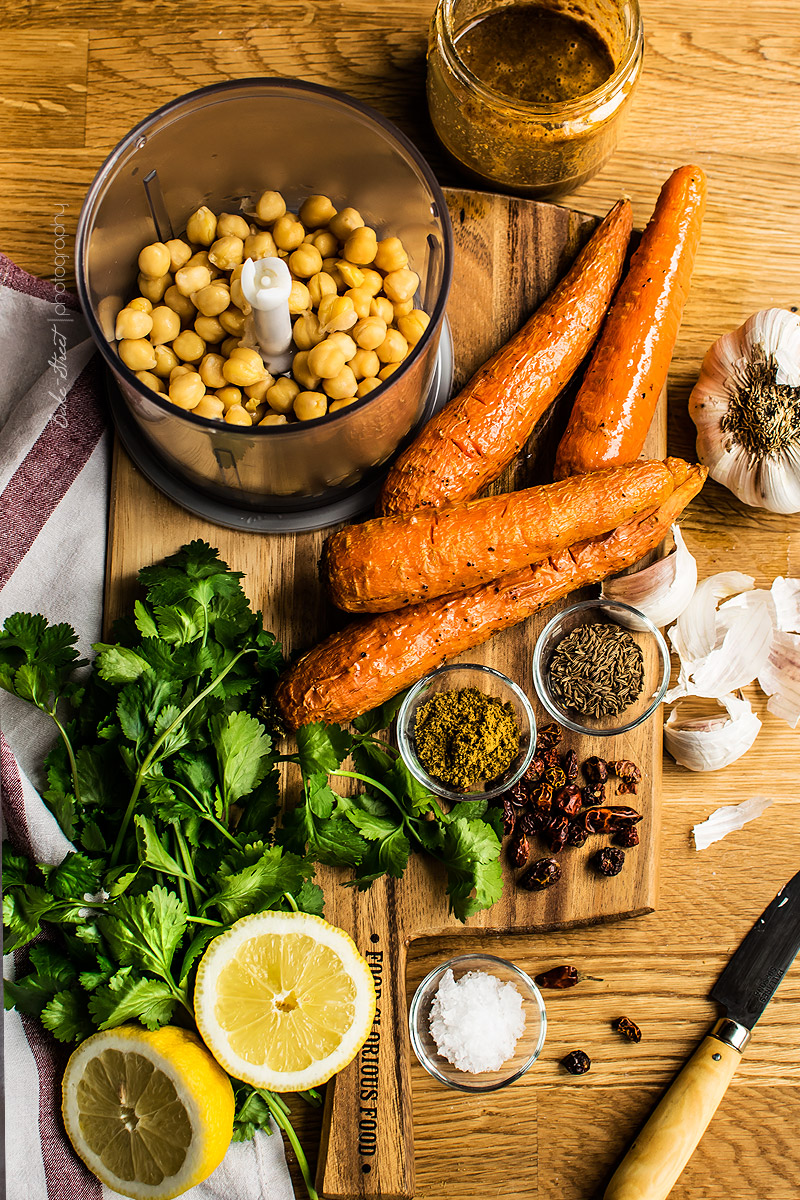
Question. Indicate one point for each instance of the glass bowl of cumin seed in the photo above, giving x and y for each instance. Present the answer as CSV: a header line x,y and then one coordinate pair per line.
x,y
601,667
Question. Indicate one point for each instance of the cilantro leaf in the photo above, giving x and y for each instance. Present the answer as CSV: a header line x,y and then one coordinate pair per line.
x,y
381,717
257,886
15,867
66,1017
76,876
322,747
243,749
118,664
145,931
147,1000
471,850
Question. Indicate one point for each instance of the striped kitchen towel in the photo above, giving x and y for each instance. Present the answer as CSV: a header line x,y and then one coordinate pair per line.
x,y
54,469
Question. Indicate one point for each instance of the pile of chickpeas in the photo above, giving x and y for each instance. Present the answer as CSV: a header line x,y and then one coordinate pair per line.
x,y
351,303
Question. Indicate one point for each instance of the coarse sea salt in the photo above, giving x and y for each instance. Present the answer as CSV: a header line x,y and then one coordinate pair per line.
x,y
476,1021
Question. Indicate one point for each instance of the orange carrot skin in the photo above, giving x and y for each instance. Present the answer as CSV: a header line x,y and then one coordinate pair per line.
x,y
372,660
394,561
470,442
620,390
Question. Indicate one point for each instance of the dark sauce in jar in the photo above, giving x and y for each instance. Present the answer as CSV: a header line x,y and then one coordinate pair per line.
x,y
535,54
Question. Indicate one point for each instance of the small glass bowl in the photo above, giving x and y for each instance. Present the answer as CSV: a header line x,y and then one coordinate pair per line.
x,y
492,683
643,631
527,1049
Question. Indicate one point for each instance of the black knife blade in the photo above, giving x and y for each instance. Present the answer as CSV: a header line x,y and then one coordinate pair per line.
x,y
748,983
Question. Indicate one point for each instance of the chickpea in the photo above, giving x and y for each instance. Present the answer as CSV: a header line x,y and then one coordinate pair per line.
x,y
228,346
383,308
232,321
200,259
310,405
178,370
336,312
319,285
325,242
179,253
154,289
316,211
388,370
210,370
373,281
365,364
345,344
335,405
187,390
288,232
302,371
192,278
244,366
233,225
141,304
299,297
350,274
137,353
326,360
236,415
213,299
414,325
402,309
189,347
201,228
260,245
150,380
154,260
132,323
258,391
305,261
166,361
400,285
362,299
391,255
361,246
270,206
273,418
166,325
210,330
370,332
229,396
182,305
281,395
227,252
306,331
345,221
341,386
210,407
255,409
368,385
393,348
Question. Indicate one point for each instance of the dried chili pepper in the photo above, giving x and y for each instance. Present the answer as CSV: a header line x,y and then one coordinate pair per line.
x,y
629,1029
576,835
548,736
577,1062
628,774
569,765
533,821
568,799
555,777
594,793
518,794
536,768
509,814
609,818
627,837
555,832
595,769
608,861
519,850
540,875
558,977
541,795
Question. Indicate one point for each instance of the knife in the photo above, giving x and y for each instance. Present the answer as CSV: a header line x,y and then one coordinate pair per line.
x,y
744,989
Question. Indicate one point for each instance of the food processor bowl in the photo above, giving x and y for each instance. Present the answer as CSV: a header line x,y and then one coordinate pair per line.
x,y
221,145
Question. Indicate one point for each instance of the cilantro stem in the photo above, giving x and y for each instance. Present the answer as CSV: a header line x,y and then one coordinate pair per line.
x,y
280,1114
206,921
292,901
372,782
209,816
73,766
159,742
195,888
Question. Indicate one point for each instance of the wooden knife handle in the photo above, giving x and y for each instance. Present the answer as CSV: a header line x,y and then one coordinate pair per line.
x,y
367,1143
661,1151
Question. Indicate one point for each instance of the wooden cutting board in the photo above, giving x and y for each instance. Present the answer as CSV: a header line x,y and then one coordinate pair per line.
x,y
509,253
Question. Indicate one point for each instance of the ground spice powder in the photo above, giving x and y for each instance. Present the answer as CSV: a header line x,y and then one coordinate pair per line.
x,y
464,736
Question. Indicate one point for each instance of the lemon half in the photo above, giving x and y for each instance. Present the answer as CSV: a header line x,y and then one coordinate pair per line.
x,y
284,1000
149,1112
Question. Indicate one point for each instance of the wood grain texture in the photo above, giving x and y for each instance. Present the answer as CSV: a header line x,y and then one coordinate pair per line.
x,y
721,87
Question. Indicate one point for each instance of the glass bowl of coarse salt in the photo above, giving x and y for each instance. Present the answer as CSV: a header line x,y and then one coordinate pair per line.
x,y
477,1023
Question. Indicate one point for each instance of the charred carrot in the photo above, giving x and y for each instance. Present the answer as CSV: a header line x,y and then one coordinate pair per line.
x,y
373,659
468,445
394,561
618,396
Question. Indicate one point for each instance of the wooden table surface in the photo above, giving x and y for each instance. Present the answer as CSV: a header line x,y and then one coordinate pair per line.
x,y
721,87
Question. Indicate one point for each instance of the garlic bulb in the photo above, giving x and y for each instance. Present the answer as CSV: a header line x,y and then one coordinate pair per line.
x,y
746,406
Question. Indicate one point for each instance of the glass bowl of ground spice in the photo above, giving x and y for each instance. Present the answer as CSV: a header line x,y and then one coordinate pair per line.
x,y
601,667
467,732
477,1023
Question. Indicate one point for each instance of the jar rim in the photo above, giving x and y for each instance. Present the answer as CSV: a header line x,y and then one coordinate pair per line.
x,y
632,52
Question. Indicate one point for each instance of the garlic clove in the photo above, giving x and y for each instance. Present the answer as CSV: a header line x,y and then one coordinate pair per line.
x,y
661,591
710,743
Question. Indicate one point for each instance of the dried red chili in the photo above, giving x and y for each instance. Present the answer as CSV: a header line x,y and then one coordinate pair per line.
x,y
569,765
568,799
555,832
548,736
519,850
509,814
518,794
533,820
555,777
608,861
594,793
595,769
627,837
540,875
609,818
577,1062
628,774
536,768
629,1029
558,977
577,835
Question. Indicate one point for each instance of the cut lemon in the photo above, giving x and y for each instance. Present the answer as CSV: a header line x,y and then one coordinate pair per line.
x,y
149,1112
284,1000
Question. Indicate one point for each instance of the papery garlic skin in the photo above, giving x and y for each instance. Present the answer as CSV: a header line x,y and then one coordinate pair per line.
x,y
728,820
710,743
661,591
771,480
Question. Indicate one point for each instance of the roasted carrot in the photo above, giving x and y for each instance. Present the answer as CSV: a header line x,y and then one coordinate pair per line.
x,y
628,369
471,441
390,562
373,659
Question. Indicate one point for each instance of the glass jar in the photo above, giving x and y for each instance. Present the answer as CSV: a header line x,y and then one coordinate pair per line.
x,y
527,146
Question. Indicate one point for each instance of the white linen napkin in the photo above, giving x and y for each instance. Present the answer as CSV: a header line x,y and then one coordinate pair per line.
x,y
54,465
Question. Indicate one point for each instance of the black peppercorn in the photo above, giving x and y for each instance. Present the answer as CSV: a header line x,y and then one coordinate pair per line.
x,y
577,1062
